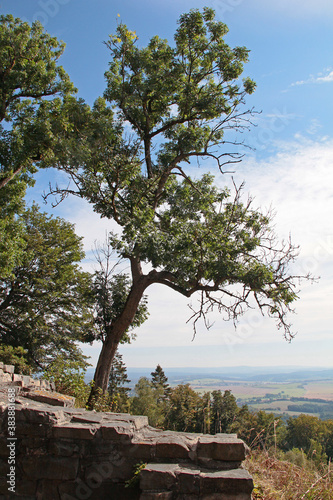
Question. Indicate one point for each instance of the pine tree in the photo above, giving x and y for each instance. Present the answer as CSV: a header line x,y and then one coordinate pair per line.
x,y
118,378
160,381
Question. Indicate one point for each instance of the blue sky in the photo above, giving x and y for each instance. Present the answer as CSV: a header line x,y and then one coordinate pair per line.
x,y
291,169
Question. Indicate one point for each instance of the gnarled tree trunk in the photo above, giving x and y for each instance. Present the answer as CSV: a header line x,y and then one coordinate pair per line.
x,y
117,331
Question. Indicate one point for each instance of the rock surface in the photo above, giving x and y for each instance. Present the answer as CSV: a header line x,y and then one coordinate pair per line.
x,y
60,452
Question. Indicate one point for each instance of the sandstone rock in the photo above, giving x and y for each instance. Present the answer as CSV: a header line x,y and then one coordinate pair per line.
x,y
74,431
54,398
48,467
222,448
67,453
8,368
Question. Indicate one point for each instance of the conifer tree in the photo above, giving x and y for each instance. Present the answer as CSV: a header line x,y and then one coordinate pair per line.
x,y
160,380
118,379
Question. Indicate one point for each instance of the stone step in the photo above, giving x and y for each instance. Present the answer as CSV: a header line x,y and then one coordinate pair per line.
x,y
227,451
192,482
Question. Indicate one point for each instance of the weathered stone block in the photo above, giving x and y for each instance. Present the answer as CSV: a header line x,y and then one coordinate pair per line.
x,y
34,382
98,447
5,378
158,476
140,422
120,470
44,384
156,495
26,487
63,448
17,378
88,417
142,450
171,447
118,431
39,415
189,480
4,467
24,429
233,482
51,398
34,442
48,467
8,368
108,490
74,431
221,448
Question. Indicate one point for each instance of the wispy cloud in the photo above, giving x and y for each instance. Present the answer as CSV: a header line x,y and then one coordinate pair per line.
x,y
323,77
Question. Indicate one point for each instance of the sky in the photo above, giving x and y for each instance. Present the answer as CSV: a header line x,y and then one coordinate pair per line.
x,y
289,168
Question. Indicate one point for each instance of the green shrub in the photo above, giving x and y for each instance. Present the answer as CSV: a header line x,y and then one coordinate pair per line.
x,y
16,356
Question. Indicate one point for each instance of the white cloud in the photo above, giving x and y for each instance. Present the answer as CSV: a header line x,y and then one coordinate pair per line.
x,y
297,182
319,78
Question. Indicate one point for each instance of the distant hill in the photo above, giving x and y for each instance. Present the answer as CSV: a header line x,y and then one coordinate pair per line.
x,y
235,373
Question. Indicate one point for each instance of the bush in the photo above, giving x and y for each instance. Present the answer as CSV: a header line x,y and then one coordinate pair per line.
x,y
68,376
16,356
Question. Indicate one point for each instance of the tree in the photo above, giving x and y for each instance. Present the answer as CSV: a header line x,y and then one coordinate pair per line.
x,y
117,380
46,303
68,374
110,292
160,380
32,89
303,430
146,402
185,409
178,231
15,356
224,411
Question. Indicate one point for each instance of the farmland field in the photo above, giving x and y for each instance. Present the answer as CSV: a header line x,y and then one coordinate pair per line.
x,y
245,390
282,398
322,390
289,391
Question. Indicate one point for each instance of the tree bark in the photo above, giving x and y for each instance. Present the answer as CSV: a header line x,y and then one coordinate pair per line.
x,y
116,332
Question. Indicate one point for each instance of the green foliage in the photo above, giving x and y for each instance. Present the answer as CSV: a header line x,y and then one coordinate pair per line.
x,y
110,292
160,381
46,303
199,78
301,430
117,379
68,376
16,356
181,102
147,402
135,480
185,410
296,456
32,89
31,84
312,435
224,411
100,401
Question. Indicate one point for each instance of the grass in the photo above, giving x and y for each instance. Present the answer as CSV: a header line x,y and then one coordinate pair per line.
x,y
276,479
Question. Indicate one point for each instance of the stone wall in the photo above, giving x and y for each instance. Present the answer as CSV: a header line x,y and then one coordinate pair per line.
x,y
53,451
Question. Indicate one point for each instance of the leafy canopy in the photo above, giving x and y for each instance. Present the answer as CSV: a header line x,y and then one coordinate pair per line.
x,y
172,104
32,89
46,303
31,86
